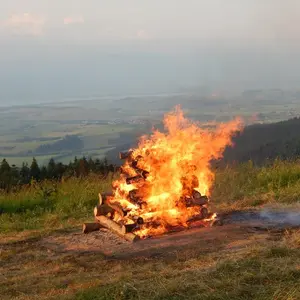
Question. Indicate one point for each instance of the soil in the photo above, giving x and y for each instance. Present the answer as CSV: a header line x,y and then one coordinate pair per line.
x,y
240,229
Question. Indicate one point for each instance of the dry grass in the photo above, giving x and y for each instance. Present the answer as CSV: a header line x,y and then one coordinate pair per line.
x,y
268,270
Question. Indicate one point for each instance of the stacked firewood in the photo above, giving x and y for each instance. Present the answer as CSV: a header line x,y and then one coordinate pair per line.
x,y
111,215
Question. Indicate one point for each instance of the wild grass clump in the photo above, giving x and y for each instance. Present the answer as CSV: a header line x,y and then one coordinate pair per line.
x,y
57,203
249,185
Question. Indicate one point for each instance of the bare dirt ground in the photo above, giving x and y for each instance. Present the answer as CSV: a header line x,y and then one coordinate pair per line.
x,y
240,229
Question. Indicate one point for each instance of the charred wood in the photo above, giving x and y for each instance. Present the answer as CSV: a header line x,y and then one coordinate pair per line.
x,y
129,228
135,197
204,212
138,220
134,179
199,201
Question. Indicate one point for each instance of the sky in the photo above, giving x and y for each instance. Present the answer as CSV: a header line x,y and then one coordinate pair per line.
x,y
51,49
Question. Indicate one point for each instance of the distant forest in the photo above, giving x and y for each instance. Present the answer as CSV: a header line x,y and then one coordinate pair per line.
x,y
263,143
12,176
259,143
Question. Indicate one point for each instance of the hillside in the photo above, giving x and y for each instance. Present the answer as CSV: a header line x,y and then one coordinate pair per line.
x,y
259,143
45,256
263,142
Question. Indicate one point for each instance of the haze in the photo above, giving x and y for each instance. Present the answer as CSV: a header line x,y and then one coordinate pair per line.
x,y
53,50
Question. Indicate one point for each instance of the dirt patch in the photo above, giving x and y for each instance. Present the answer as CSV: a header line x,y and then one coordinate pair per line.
x,y
241,229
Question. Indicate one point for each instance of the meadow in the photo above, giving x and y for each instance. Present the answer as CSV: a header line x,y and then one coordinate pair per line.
x,y
265,269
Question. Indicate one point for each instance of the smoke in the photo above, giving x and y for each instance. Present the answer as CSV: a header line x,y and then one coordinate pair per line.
x,y
267,217
281,217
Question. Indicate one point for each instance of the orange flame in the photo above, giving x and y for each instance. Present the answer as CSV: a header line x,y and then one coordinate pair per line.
x,y
178,161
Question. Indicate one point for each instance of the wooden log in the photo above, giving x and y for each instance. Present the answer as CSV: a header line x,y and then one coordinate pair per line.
x,y
199,201
105,196
134,179
118,208
134,196
138,220
116,228
203,200
100,199
196,194
138,170
204,212
90,227
103,210
217,222
125,154
127,228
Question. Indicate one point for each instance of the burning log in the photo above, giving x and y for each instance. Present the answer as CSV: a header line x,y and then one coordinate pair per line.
x,y
138,220
134,179
90,227
125,154
134,196
138,170
116,228
104,197
216,222
204,212
118,208
103,210
129,228
196,200
141,172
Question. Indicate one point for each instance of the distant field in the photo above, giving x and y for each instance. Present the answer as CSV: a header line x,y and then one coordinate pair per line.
x,y
24,129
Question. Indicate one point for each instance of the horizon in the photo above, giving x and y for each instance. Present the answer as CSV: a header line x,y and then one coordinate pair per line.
x,y
54,51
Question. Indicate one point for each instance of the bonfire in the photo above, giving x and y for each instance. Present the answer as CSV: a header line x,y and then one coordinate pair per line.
x,y
165,183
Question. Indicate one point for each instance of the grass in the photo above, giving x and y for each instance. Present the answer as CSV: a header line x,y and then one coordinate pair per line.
x,y
62,202
247,185
235,188
266,269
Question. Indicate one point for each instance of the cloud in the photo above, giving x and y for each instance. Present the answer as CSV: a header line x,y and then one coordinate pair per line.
x,y
25,23
73,20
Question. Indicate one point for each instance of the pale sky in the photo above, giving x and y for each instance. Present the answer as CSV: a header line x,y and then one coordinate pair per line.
x,y
105,20
57,48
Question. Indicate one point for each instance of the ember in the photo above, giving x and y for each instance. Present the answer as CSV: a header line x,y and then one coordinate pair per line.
x,y
165,183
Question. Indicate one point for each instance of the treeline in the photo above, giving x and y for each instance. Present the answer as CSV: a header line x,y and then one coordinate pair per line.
x,y
11,176
68,143
266,142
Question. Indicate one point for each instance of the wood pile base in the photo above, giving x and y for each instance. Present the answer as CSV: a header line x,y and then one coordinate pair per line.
x,y
111,215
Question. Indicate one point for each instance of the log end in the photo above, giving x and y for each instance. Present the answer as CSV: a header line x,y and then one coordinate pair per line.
x,y
100,199
90,227
131,237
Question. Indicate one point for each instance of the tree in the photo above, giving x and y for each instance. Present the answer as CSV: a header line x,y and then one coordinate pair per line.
x,y
83,167
5,175
91,165
51,169
44,173
25,174
35,172
60,169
